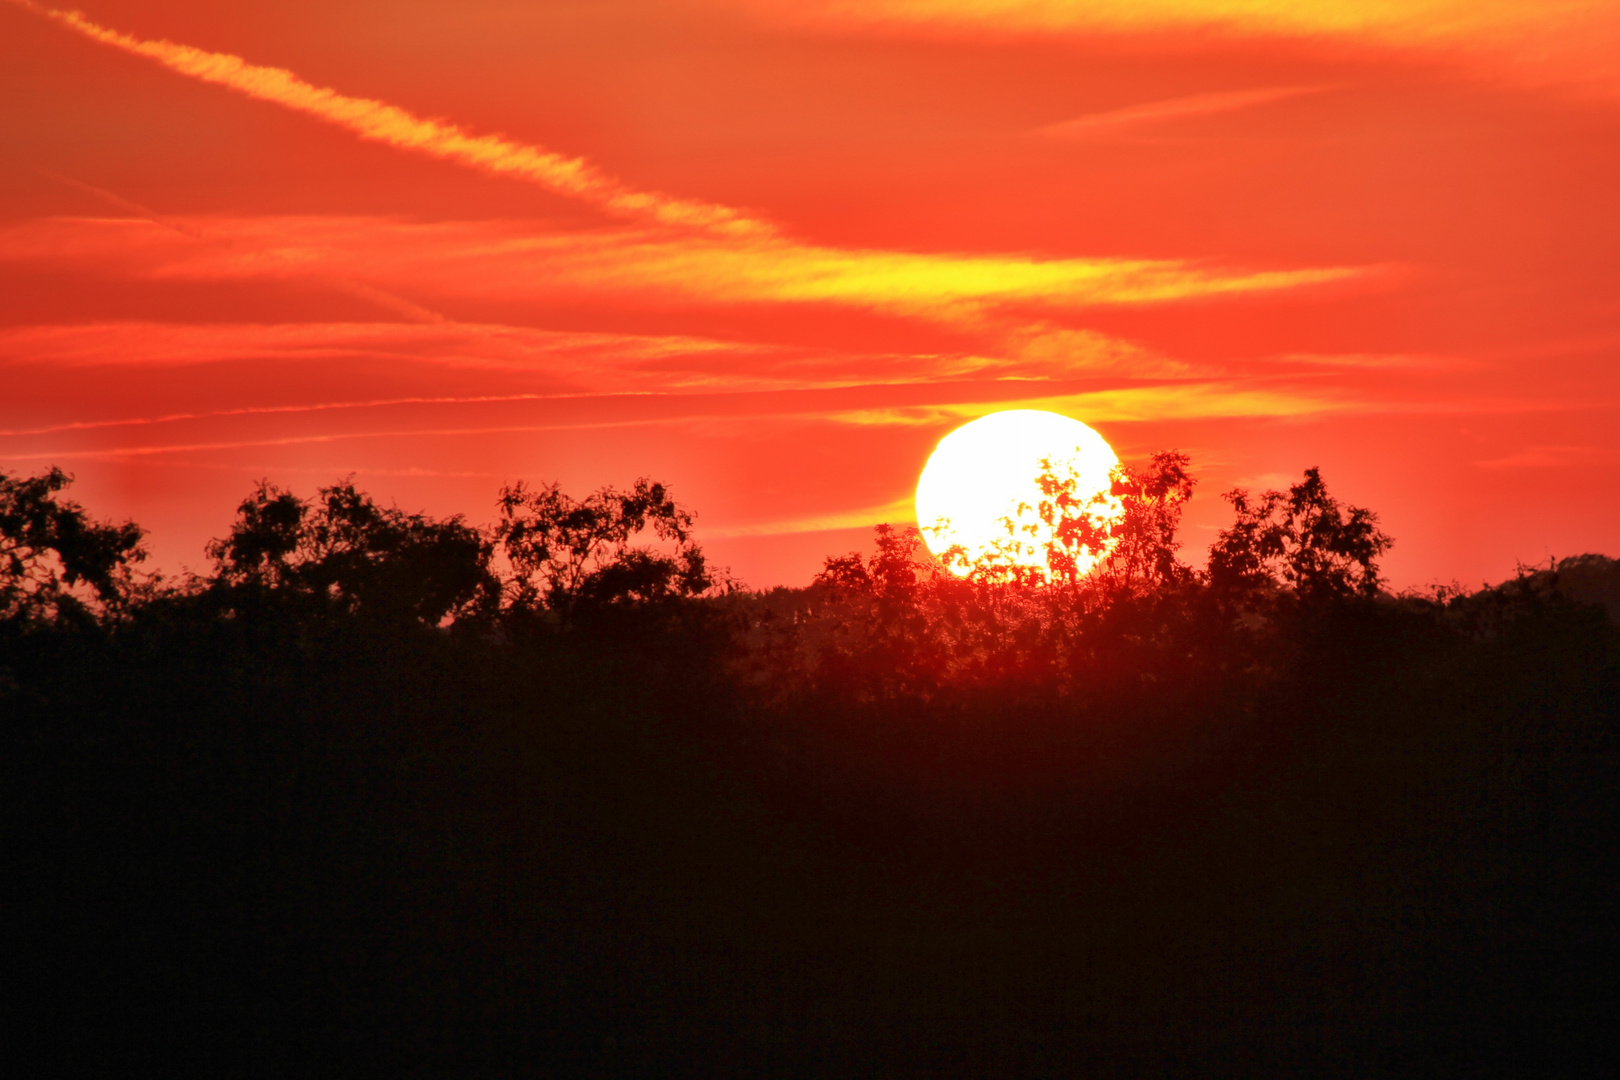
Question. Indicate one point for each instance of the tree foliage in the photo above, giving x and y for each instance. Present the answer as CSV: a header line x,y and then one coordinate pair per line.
x,y
1128,533
1114,601
573,556
344,552
1301,541
55,560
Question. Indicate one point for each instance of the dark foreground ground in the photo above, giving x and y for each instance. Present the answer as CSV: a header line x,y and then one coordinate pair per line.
x,y
284,850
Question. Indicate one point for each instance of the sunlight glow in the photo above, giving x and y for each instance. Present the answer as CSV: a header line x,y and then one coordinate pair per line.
x,y
980,495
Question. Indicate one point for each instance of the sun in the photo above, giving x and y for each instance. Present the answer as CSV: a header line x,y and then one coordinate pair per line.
x,y
979,497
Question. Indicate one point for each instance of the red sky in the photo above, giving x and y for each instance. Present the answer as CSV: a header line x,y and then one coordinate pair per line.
x,y
770,252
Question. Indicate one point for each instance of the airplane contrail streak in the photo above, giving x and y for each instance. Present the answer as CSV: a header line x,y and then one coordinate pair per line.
x,y
379,121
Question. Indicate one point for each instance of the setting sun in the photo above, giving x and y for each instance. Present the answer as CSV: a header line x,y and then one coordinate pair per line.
x,y
979,497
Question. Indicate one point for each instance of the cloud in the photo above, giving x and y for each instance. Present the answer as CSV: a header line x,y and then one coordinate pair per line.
x,y
1413,361
557,364
381,122
935,286
1096,125
517,364
692,251
1405,19
1562,42
518,263
1058,351
350,286
483,380
113,453
1176,401
1553,457
896,510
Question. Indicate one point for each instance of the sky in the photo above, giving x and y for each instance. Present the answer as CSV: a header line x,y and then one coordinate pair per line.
x,y
770,252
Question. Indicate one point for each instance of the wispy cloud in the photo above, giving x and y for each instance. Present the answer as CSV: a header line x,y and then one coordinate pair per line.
x,y
129,206
897,510
1553,457
917,284
139,450
516,262
551,364
381,122
1376,361
286,410
1553,41
351,286
1411,18
692,251
582,382
1174,401
1100,124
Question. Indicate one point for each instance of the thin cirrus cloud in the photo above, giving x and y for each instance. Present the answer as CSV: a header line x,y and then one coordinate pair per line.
x,y
1561,42
520,262
1401,18
362,290
1132,404
154,449
451,262
223,432
1116,121
543,381
549,364
270,410
894,510
521,364
1553,457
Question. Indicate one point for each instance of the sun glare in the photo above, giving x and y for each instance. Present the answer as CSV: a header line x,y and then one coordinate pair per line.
x,y
979,497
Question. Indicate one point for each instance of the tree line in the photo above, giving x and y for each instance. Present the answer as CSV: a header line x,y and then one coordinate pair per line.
x,y
550,558
343,554
388,790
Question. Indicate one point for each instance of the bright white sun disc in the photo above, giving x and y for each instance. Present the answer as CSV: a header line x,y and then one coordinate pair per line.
x,y
980,490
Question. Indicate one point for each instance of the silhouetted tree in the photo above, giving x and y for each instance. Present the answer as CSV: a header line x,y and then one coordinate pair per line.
x,y
893,574
1080,523
568,555
878,634
1301,540
266,546
55,560
1128,533
347,552
1152,499
896,623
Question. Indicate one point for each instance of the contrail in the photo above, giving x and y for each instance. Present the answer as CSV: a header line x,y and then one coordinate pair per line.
x,y
1173,109
321,406
376,120
340,282
108,197
343,436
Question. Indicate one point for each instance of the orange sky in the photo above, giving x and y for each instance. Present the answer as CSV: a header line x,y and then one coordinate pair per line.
x,y
770,252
